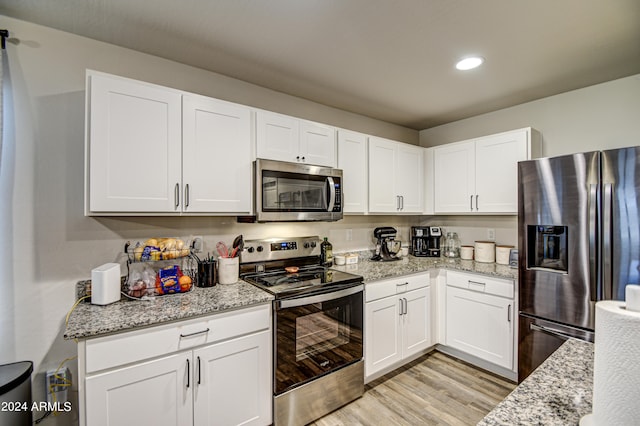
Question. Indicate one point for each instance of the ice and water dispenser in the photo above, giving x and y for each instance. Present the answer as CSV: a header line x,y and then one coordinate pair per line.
x,y
547,247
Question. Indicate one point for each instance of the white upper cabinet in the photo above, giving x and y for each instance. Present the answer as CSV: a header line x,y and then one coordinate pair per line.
x,y
278,136
455,174
155,150
395,177
216,152
497,171
133,149
352,159
317,144
284,138
429,182
480,176
410,178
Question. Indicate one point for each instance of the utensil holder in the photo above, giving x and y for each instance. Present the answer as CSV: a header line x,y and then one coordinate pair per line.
x,y
228,270
207,274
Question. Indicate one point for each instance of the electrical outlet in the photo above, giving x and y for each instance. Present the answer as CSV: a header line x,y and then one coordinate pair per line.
x,y
349,235
198,244
491,234
57,384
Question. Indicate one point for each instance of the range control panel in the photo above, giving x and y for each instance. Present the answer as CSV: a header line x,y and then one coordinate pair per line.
x,y
279,248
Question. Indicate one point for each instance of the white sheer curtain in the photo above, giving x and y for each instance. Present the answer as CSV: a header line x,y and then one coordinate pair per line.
x,y
2,65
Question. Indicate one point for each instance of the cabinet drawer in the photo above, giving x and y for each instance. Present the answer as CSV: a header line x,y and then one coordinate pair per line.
x,y
481,283
119,349
384,288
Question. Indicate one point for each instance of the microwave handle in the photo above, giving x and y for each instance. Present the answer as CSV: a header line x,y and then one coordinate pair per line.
x,y
332,193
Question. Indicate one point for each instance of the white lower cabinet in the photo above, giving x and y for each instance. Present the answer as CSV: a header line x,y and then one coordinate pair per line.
x,y
480,316
397,321
224,381
231,382
152,392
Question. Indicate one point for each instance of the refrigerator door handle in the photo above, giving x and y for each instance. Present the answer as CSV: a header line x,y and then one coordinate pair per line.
x,y
607,274
558,333
594,253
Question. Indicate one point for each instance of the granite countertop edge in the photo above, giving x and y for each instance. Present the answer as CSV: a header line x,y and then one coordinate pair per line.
x,y
89,321
558,392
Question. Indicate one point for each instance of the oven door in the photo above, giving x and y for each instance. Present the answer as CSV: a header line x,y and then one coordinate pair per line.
x,y
316,335
290,192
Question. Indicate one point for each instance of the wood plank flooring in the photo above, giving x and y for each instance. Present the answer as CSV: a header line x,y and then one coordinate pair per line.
x,y
435,389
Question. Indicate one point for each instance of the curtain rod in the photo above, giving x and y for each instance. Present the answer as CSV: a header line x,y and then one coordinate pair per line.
x,y
4,34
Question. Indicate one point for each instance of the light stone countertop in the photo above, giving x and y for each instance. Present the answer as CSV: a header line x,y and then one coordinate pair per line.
x,y
558,392
375,270
89,320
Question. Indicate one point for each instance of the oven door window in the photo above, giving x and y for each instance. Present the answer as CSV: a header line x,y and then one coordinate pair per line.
x,y
283,191
315,339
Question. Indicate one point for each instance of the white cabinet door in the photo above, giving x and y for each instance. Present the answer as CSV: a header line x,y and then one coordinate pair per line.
x,y
455,174
216,156
134,146
232,382
382,333
429,182
382,177
352,159
317,144
416,322
410,177
481,325
277,136
497,159
155,392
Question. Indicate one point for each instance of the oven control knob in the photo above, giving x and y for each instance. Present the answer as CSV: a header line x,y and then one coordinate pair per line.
x,y
313,244
306,245
259,248
250,249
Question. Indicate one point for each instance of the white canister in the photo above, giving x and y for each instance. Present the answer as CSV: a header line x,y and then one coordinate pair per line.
x,y
466,252
228,270
485,251
339,259
502,254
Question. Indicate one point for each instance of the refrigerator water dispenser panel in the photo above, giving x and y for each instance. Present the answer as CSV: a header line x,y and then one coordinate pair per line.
x,y
547,247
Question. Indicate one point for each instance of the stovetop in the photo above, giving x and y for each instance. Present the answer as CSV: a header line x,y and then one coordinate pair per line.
x,y
308,280
263,263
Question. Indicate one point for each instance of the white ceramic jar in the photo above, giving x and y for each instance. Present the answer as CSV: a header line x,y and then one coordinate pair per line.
x,y
485,251
466,252
502,254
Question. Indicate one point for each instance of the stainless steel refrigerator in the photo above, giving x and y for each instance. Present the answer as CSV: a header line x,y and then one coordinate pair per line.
x,y
578,241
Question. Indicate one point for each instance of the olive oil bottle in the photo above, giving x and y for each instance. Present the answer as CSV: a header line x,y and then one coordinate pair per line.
x,y
326,253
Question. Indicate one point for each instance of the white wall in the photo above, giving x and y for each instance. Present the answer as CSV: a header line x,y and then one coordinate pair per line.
x,y
47,243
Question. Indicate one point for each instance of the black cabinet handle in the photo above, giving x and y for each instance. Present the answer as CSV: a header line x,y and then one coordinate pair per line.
x,y
188,373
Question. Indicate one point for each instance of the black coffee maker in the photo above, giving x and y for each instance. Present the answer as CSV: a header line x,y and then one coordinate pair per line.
x,y
425,241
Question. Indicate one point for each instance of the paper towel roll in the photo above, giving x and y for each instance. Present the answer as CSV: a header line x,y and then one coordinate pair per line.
x,y
616,369
632,297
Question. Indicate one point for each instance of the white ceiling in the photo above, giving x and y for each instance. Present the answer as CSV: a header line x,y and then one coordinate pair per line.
x,y
388,59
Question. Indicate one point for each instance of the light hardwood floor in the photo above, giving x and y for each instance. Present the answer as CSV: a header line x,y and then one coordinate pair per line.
x,y
435,389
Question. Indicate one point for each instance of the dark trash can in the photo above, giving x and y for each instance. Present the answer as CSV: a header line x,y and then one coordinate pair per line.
x,y
15,393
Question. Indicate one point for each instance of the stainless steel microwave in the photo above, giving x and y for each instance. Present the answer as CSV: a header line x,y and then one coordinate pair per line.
x,y
297,192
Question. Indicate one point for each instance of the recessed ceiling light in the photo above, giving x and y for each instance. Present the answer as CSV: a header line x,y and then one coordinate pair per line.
x,y
470,63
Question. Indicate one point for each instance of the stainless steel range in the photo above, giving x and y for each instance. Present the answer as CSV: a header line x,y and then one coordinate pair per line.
x,y
317,325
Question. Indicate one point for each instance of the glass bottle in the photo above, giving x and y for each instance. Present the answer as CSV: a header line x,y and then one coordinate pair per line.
x,y
326,252
452,245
